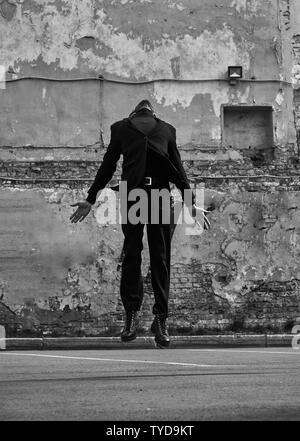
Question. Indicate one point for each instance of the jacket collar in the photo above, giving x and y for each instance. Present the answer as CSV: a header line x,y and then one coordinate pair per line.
x,y
143,111
155,128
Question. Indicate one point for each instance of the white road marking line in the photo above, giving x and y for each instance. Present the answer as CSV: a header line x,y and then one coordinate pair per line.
x,y
112,359
125,360
256,352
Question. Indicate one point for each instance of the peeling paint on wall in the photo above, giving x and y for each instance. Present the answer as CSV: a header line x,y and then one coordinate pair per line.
x,y
280,97
246,5
78,38
73,32
182,95
253,239
239,4
7,9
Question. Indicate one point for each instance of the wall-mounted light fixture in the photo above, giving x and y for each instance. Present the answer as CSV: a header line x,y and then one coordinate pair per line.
x,y
234,74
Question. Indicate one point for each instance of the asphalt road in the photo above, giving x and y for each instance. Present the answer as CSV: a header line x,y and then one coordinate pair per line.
x,y
161,385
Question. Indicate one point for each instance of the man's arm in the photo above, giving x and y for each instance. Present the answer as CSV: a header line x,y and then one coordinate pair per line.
x,y
183,183
107,168
103,176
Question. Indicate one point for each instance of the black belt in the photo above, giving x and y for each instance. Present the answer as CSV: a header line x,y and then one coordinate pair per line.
x,y
153,181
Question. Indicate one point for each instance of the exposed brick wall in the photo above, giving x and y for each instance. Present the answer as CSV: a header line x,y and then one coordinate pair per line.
x,y
197,309
195,306
84,171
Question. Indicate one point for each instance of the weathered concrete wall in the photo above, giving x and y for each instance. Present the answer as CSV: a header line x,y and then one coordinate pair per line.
x,y
47,114
140,41
61,279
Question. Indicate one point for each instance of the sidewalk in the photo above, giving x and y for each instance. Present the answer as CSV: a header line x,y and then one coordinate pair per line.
x,y
234,340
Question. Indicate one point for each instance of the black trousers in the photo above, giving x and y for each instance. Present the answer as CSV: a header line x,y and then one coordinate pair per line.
x,y
159,242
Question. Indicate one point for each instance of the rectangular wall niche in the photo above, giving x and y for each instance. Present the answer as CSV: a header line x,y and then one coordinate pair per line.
x,y
249,128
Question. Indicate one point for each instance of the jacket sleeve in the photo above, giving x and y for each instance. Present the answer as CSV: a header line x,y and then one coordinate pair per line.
x,y
182,183
108,166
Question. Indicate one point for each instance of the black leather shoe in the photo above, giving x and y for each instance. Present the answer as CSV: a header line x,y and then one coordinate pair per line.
x,y
159,328
130,327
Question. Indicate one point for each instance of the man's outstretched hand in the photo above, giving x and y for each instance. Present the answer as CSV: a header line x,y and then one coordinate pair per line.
x,y
198,212
82,211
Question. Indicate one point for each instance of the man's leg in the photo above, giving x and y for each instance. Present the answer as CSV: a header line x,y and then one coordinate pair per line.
x,y
131,288
159,240
131,278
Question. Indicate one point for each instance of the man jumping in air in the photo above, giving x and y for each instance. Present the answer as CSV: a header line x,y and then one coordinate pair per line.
x,y
150,161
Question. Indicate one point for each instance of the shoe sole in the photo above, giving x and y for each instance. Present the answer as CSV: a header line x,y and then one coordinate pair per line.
x,y
125,340
161,345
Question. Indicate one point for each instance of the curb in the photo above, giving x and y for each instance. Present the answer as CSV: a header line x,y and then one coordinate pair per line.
x,y
234,340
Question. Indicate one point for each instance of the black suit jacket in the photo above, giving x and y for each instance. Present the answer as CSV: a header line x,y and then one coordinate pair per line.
x,y
130,142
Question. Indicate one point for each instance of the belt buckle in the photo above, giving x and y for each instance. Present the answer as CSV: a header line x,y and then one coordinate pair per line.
x,y
148,180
